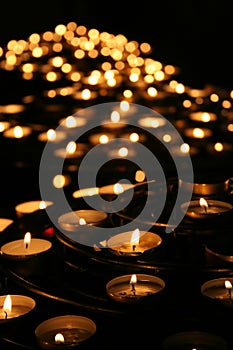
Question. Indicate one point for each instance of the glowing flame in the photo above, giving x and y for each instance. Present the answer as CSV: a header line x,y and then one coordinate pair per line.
x,y
135,238
18,132
27,239
71,147
42,205
133,279
203,203
7,306
82,221
123,152
228,284
51,135
118,188
104,139
59,338
205,117
115,117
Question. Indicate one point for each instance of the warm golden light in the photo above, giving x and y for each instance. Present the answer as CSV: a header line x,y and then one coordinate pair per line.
x,y
133,279
118,188
42,205
198,133
115,117
123,152
203,203
228,284
218,147
51,135
103,139
71,147
7,305
82,222
27,240
18,132
140,176
59,338
135,238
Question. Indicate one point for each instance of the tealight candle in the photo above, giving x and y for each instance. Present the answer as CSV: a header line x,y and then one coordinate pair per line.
x,y
52,136
101,138
64,332
201,209
17,132
31,206
72,150
133,243
114,122
204,117
152,122
71,221
219,290
28,256
134,288
26,247
197,133
194,340
4,222
14,306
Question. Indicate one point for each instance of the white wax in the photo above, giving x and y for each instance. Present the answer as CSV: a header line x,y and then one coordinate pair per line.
x,y
17,248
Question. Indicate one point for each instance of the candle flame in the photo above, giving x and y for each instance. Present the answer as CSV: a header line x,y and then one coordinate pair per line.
x,y
133,279
27,239
59,338
71,147
228,284
42,205
118,188
82,221
135,237
203,203
51,135
7,306
115,117
18,132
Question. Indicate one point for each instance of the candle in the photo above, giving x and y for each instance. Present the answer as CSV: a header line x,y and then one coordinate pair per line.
x,y
152,122
27,256
52,136
4,223
72,150
194,340
201,209
13,306
133,243
134,288
71,221
31,206
204,117
17,132
99,138
114,122
12,108
64,332
25,247
219,290
197,133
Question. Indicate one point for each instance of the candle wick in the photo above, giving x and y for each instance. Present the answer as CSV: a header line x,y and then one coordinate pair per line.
x,y
5,314
133,288
134,247
229,293
205,209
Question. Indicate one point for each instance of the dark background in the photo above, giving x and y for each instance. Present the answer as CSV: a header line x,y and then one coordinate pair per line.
x,y
195,35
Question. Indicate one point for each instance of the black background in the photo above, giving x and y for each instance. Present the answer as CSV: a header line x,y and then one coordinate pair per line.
x,y
194,35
